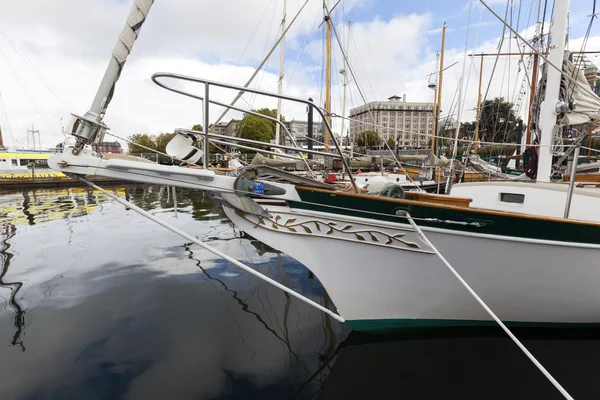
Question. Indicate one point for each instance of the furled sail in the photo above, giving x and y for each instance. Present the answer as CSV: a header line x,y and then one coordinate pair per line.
x,y
259,159
586,102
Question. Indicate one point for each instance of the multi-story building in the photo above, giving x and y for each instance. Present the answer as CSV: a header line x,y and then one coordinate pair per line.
x,y
220,128
410,123
231,128
299,130
107,147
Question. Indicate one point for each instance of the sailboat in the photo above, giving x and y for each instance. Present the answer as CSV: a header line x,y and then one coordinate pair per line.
x,y
377,256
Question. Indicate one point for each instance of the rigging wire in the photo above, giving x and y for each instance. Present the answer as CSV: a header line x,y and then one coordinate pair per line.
x,y
443,137
361,62
351,69
487,90
301,53
29,95
165,154
35,70
460,105
245,49
571,86
7,121
250,102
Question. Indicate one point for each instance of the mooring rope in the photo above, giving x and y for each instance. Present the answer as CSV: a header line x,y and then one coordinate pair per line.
x,y
211,249
544,371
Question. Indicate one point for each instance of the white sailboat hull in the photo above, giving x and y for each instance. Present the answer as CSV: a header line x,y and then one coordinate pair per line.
x,y
374,284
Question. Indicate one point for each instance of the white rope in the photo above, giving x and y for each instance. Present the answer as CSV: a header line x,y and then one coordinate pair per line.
x,y
213,250
543,370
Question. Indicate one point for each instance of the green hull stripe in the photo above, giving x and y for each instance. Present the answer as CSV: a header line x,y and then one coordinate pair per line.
x,y
390,324
478,222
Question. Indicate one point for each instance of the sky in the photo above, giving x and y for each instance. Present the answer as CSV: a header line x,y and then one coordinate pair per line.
x,y
53,55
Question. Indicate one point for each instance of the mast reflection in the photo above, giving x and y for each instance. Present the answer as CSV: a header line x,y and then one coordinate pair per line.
x,y
8,231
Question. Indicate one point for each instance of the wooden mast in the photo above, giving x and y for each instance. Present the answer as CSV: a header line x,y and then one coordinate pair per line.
x,y
478,106
280,81
439,91
435,105
327,77
534,73
345,82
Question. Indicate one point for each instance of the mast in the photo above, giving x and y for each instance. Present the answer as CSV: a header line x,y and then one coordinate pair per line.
x,y
90,125
552,106
345,79
32,132
327,76
478,106
435,105
280,82
534,73
439,91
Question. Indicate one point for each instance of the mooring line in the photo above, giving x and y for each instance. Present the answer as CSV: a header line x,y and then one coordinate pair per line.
x,y
211,249
531,357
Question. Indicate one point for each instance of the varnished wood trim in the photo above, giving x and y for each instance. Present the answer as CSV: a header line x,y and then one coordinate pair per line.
x,y
484,211
589,177
439,199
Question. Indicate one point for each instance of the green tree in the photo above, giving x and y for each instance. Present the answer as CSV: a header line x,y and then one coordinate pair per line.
x,y
368,139
256,128
273,114
142,139
162,140
197,127
391,143
467,129
498,121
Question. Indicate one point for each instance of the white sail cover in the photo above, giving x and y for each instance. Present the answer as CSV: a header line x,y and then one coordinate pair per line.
x,y
587,103
135,19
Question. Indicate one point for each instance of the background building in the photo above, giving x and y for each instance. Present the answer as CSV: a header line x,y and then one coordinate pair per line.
x,y
232,127
411,123
299,129
107,147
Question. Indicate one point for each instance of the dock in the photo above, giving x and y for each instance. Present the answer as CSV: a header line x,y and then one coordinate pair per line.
x,y
53,182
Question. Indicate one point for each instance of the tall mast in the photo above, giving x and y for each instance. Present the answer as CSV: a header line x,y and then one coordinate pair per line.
x,y
534,72
345,78
91,125
327,75
280,82
552,106
435,104
478,106
439,90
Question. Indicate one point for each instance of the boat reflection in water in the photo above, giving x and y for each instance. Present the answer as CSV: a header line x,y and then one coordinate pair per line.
x,y
463,363
109,305
97,302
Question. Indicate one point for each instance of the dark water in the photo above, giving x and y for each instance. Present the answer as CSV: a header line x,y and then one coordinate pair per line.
x,y
99,303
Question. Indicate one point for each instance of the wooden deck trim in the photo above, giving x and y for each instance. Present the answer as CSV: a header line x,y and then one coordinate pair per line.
x,y
592,177
439,199
479,211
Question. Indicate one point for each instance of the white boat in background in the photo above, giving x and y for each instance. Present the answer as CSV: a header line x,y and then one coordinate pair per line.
x,y
23,163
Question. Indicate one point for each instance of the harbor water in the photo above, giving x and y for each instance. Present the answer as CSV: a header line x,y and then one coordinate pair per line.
x,y
98,302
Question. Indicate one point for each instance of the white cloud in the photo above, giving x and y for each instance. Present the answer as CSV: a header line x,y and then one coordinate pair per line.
x,y
69,42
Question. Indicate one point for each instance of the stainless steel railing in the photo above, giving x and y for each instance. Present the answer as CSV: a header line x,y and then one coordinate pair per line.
x,y
207,83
